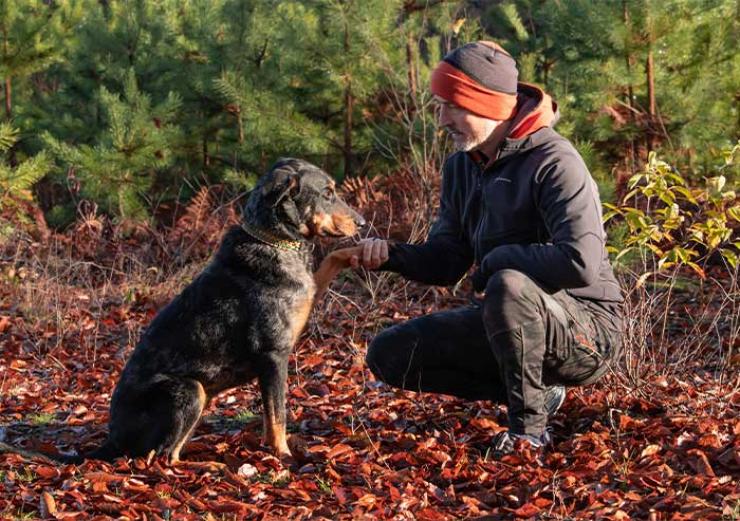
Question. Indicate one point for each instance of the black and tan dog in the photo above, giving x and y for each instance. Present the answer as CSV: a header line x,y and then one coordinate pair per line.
x,y
237,321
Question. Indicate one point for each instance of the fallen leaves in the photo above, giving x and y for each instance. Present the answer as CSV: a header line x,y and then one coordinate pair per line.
x,y
362,450
700,463
47,505
650,450
4,323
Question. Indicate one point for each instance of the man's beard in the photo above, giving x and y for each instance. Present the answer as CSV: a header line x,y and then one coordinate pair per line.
x,y
466,143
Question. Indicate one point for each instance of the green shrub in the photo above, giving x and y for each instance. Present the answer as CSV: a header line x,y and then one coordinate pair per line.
x,y
679,224
120,170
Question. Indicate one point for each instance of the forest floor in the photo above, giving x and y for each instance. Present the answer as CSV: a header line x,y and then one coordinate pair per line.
x,y
662,444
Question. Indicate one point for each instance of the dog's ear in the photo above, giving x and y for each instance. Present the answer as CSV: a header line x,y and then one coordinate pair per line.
x,y
283,183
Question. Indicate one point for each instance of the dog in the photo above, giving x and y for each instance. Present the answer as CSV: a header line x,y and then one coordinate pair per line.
x,y
236,321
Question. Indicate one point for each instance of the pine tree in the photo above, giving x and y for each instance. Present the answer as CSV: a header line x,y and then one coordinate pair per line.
x,y
260,82
19,179
120,169
633,75
28,42
345,82
361,56
698,80
109,39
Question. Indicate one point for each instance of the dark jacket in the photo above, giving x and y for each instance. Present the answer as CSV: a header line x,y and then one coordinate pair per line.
x,y
534,208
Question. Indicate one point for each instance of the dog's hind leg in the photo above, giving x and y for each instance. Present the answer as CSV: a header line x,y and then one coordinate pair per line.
x,y
190,415
273,375
158,414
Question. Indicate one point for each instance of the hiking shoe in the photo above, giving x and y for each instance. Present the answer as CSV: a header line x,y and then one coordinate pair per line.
x,y
504,442
554,398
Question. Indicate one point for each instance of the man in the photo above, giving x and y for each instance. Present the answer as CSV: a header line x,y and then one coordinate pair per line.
x,y
519,203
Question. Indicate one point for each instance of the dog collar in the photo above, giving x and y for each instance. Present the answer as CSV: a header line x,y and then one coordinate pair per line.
x,y
271,240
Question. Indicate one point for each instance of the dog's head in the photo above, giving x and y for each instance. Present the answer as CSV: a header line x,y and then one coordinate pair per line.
x,y
300,198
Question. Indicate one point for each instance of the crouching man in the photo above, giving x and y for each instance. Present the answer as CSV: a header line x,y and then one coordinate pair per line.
x,y
518,202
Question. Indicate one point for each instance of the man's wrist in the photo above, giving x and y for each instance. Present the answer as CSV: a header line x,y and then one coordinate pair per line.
x,y
391,264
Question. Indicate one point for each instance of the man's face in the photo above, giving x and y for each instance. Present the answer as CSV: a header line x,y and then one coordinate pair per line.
x,y
467,130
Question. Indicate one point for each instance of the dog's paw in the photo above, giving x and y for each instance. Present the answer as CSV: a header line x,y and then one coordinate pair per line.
x,y
205,466
299,449
346,257
283,453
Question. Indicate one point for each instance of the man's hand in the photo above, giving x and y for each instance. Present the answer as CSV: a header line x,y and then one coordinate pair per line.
x,y
374,254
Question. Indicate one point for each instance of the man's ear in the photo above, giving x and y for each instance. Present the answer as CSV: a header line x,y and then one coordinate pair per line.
x,y
283,184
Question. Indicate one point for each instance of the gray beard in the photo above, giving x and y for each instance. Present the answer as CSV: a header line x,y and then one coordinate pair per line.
x,y
471,144
467,145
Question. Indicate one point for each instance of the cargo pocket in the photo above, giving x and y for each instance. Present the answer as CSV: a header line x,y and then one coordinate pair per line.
x,y
580,358
592,363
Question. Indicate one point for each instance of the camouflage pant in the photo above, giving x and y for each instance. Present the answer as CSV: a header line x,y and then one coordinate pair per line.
x,y
508,348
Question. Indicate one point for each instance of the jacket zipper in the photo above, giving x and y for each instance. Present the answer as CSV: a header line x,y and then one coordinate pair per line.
x,y
481,209
481,203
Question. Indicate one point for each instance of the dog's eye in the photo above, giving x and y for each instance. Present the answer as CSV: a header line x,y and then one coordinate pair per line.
x,y
328,194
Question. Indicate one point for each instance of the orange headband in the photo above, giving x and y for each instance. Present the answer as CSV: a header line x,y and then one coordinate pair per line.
x,y
453,85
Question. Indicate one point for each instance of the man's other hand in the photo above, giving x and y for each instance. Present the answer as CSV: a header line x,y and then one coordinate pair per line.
x,y
374,254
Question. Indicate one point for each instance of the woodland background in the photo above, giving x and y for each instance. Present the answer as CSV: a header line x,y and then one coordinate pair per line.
x,y
130,132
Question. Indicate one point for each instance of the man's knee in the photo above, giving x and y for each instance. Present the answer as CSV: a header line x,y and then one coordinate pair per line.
x,y
509,287
381,353
391,355
511,298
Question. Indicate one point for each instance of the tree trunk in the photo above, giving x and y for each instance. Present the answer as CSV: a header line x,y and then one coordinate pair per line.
x,y
241,126
206,157
12,160
650,71
546,67
348,106
8,98
410,68
629,59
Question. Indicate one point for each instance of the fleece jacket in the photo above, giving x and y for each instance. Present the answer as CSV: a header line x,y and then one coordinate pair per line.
x,y
534,208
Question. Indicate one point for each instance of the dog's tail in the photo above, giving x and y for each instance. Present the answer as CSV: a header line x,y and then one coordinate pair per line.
x,y
45,456
106,452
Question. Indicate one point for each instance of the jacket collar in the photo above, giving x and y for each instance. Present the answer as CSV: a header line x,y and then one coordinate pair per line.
x,y
535,110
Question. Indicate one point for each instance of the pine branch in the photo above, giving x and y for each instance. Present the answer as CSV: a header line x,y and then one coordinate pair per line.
x,y
8,136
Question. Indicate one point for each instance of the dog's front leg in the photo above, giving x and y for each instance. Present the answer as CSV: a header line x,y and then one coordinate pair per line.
x,y
332,264
273,379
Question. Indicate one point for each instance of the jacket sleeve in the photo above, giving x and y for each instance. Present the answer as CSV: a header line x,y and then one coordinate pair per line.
x,y
445,256
568,202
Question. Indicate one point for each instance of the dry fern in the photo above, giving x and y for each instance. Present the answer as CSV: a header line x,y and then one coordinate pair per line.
x,y
201,226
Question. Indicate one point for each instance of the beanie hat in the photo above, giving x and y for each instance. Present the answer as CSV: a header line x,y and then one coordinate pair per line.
x,y
480,77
